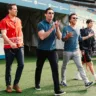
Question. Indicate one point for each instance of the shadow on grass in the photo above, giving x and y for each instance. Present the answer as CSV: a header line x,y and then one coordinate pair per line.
x,y
4,93
94,84
78,91
42,92
75,87
74,83
45,91
49,91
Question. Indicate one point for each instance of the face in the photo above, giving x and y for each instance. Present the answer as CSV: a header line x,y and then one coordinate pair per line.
x,y
13,11
73,19
90,24
49,15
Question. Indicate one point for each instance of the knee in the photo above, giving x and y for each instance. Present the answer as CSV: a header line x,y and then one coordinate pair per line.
x,y
21,66
80,68
63,66
38,68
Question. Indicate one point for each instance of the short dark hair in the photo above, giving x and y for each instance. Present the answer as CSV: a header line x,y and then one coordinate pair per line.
x,y
88,21
9,6
48,9
71,15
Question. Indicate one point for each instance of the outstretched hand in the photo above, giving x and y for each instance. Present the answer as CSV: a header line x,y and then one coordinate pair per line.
x,y
69,34
90,35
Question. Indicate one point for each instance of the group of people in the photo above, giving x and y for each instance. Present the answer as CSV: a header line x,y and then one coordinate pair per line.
x,y
48,32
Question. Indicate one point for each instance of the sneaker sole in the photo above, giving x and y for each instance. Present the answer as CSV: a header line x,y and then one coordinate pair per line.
x,y
89,86
60,94
63,85
8,91
37,89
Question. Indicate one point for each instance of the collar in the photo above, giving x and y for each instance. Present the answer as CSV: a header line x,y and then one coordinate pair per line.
x,y
48,22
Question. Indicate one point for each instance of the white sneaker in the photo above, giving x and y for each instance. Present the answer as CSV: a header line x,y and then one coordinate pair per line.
x,y
77,76
95,77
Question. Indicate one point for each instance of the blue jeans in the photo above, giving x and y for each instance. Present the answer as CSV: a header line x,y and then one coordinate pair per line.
x,y
10,54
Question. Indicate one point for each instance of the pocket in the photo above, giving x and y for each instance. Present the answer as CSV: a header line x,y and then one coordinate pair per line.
x,y
6,50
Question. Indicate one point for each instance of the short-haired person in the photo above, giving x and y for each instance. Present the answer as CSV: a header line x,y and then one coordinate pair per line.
x,y
87,46
70,37
11,30
48,31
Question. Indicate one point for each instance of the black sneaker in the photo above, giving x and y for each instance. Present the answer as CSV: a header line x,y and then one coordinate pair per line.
x,y
63,84
89,84
59,93
37,88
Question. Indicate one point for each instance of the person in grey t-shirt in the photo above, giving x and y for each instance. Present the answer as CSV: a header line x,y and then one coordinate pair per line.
x,y
70,36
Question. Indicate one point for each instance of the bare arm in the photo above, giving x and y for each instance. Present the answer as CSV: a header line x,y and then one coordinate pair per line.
x,y
86,37
13,45
42,34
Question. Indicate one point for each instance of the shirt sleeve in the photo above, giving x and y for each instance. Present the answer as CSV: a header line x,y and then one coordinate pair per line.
x,y
80,38
82,32
81,35
3,25
40,27
80,42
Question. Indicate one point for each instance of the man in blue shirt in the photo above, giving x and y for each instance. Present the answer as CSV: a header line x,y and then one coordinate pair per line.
x,y
70,36
47,33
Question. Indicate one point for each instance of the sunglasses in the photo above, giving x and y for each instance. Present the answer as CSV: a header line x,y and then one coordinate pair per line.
x,y
74,18
50,12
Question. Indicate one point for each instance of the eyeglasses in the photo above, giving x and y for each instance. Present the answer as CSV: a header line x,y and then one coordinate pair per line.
x,y
74,18
50,12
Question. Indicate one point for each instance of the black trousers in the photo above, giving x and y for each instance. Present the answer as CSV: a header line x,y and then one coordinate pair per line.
x,y
42,55
10,54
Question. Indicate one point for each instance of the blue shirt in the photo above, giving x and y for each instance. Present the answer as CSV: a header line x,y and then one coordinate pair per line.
x,y
72,44
48,43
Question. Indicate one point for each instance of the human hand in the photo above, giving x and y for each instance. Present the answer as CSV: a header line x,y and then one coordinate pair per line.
x,y
57,23
90,35
13,45
69,34
82,52
53,26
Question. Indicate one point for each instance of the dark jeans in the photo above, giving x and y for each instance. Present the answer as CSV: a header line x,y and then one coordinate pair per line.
x,y
41,57
10,54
